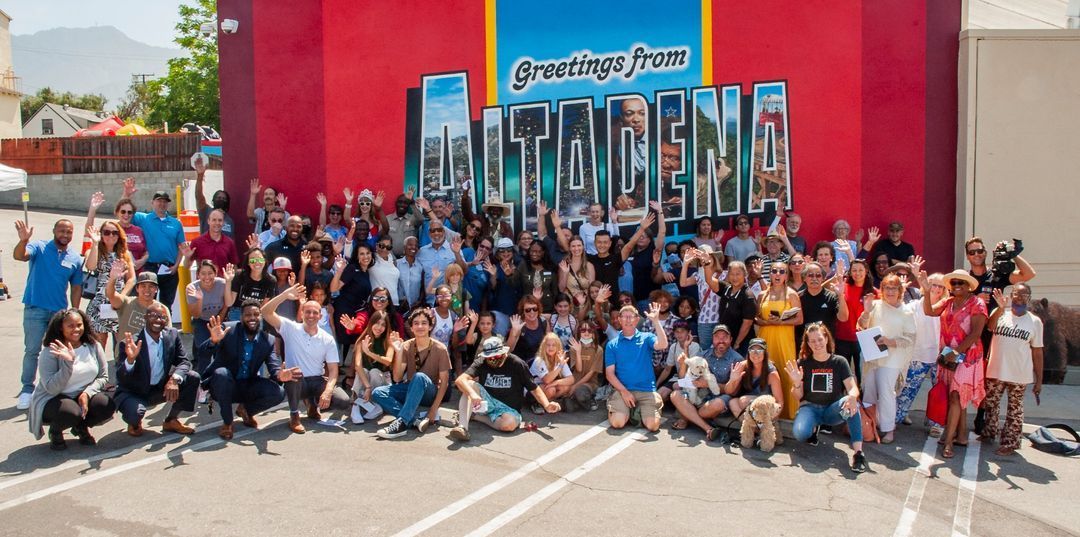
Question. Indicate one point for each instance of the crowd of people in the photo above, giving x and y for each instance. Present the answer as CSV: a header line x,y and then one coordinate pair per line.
x,y
367,313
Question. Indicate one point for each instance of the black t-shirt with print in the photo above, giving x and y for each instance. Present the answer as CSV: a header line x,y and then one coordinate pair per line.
x,y
607,270
823,382
507,383
249,289
822,308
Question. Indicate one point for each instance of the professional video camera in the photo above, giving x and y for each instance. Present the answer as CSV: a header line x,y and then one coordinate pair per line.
x,y
1003,264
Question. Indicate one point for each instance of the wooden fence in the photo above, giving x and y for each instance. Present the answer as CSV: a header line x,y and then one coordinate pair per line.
x,y
106,154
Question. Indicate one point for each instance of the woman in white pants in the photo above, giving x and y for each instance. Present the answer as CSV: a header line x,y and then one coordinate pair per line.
x,y
897,325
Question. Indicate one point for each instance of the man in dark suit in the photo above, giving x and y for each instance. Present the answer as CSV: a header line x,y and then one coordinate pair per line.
x,y
233,374
154,367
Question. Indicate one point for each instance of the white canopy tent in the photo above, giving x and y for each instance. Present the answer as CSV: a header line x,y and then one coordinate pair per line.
x,y
12,179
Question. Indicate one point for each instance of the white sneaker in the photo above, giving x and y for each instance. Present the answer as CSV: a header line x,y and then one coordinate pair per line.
x,y
371,410
355,415
203,397
24,401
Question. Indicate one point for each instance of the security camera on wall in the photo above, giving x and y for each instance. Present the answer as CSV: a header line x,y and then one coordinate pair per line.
x,y
230,26
206,29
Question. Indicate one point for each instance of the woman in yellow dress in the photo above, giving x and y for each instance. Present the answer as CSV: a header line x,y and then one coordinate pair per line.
x,y
778,329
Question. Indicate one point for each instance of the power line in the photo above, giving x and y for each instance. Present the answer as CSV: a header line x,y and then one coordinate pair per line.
x,y
84,55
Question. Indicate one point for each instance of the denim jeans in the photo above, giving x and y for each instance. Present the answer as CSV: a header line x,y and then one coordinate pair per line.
x,y
704,331
811,415
404,398
201,333
35,322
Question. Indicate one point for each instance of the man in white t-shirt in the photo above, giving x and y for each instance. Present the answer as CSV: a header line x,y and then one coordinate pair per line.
x,y
595,223
1016,360
310,353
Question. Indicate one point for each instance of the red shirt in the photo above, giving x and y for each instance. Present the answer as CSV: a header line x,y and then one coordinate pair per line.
x,y
221,252
845,330
136,242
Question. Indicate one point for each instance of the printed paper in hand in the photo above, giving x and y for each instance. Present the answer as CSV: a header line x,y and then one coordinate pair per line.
x,y
870,344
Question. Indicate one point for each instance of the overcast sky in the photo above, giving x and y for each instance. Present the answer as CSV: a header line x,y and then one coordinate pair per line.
x,y
149,21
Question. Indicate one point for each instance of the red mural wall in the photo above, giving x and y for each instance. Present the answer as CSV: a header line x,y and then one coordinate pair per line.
x,y
313,98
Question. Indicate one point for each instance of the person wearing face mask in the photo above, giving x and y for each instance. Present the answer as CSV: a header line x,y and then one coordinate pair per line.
x,y
493,391
1016,360
235,355
272,199
220,200
275,230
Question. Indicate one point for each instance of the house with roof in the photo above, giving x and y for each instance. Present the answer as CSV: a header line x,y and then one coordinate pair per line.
x,y
60,120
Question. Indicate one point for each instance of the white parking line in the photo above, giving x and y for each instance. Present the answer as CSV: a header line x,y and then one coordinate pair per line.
x,y
118,452
495,486
68,485
918,487
530,502
965,492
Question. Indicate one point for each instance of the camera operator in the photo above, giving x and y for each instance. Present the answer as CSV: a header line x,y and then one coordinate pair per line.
x,y
1006,268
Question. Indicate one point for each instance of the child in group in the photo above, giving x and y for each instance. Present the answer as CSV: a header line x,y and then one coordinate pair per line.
x,y
551,370
459,297
686,310
684,344
588,356
319,293
562,323
372,361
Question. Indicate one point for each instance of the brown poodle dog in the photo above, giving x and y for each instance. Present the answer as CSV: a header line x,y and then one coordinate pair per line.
x,y
761,414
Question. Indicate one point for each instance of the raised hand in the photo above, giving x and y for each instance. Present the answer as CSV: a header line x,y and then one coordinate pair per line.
x,y
282,200
654,312
94,235
538,293
756,237
423,204
794,372
195,291
24,230
378,201
556,220
461,323
739,369
348,322
410,193
516,322
473,316
1002,299
542,209
858,236
365,344
489,267
339,263
321,198
604,293
229,272
339,244
575,345
916,263
348,193
648,220
868,301
564,265
217,331
252,241
613,214
292,278
396,342
186,251
129,187
924,280
96,200
255,187
435,273
117,269
718,235
63,351
294,292
305,258
455,243
131,347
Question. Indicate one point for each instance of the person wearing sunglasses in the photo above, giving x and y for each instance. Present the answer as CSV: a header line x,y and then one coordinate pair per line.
x,y
154,367
251,282
897,325
385,272
924,356
779,312
136,240
777,249
333,220
821,302
258,216
276,227
108,245
369,209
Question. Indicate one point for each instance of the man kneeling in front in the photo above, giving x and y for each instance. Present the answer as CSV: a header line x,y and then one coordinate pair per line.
x,y
494,390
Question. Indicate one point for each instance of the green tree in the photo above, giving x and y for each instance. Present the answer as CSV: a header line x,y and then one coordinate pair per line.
x,y
31,103
135,105
189,93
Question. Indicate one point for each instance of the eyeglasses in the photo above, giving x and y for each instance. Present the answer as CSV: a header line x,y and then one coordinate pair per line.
x,y
109,233
154,316
256,260
955,283
381,298
501,250
437,230
890,288
125,211
531,310
364,203
936,286
483,247
778,271
276,220
976,251
335,213
797,262
384,247
810,275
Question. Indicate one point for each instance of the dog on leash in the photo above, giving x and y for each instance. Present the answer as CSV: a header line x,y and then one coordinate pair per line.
x,y
697,368
761,416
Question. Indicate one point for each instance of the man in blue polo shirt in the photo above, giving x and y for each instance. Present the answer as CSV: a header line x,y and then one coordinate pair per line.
x,y
164,235
629,370
52,267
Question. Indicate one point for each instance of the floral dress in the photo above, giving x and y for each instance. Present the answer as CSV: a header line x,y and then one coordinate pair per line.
x,y
967,379
97,324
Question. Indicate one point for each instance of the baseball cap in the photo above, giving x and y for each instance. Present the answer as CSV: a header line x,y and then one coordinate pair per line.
x,y
758,342
163,195
146,277
504,243
282,263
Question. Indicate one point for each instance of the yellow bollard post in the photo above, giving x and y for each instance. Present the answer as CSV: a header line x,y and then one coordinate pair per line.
x,y
183,272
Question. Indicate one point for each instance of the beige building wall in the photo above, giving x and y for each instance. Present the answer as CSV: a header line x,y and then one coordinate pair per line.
x,y
10,120
1019,150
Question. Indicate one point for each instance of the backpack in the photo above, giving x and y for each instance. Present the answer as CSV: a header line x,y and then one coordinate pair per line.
x,y
1043,439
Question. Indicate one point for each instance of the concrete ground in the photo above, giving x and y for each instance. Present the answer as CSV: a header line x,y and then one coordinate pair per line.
x,y
571,477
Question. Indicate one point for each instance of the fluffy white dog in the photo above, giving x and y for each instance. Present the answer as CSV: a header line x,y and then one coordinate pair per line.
x,y
698,368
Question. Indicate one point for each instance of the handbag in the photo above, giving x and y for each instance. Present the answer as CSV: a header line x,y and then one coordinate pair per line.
x,y
937,403
90,284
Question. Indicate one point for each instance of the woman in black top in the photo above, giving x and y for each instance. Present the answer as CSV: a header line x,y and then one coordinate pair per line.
x,y
250,283
737,305
353,285
527,329
823,382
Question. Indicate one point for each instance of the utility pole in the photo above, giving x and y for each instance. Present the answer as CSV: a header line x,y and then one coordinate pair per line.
x,y
141,76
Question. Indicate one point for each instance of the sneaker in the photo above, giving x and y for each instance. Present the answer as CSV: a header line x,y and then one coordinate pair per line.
x,y
825,429
355,415
203,396
396,429
593,407
422,425
858,463
459,434
813,440
537,409
24,401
